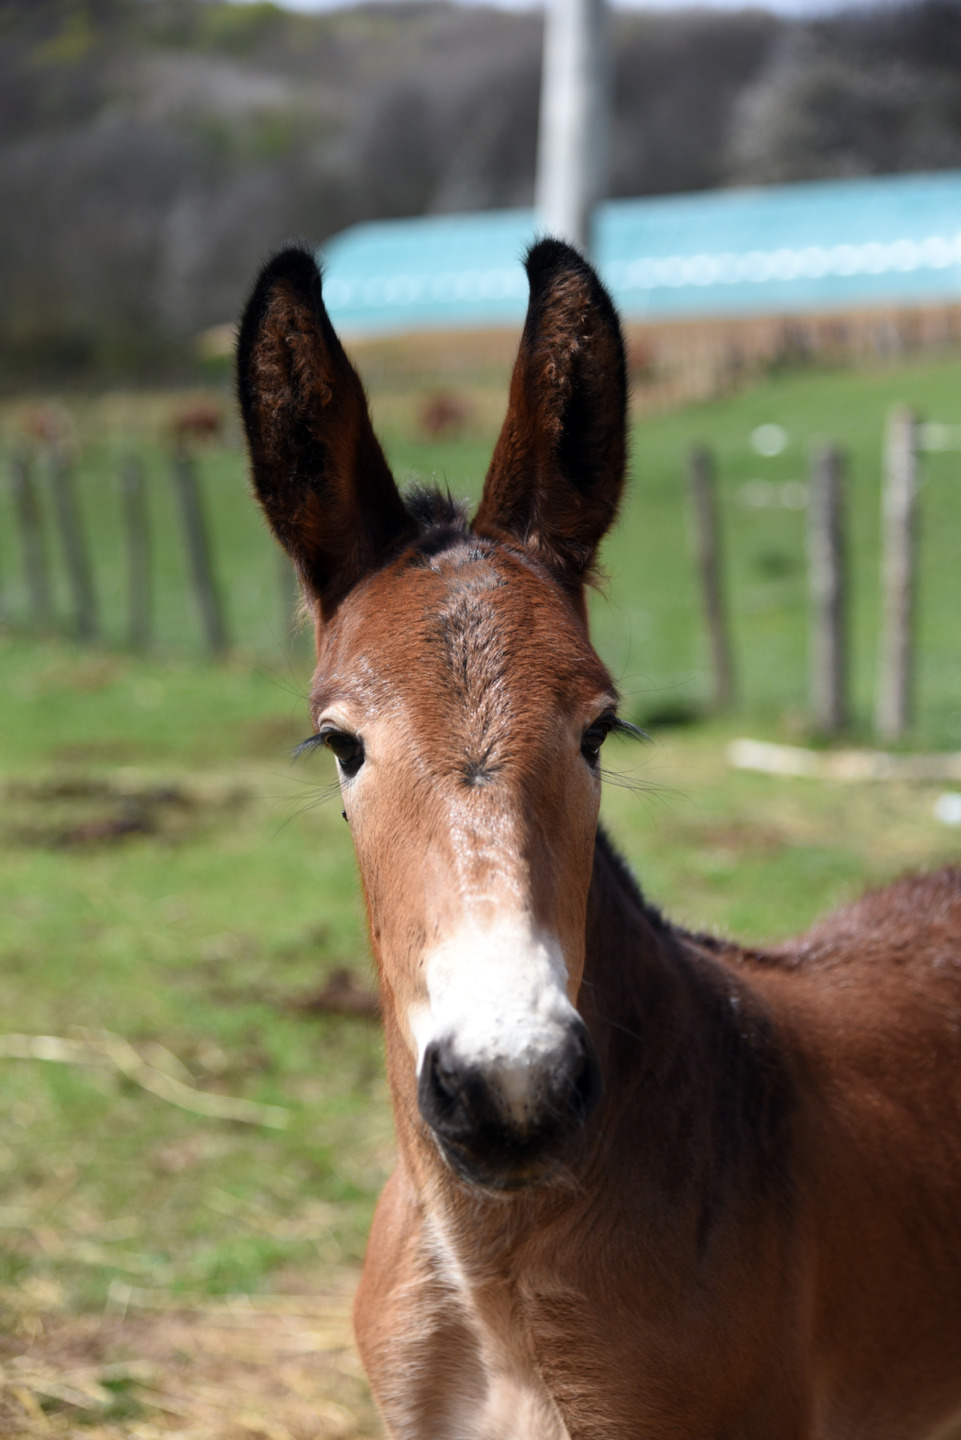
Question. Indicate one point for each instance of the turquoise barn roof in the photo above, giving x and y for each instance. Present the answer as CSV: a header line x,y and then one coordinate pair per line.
x,y
834,244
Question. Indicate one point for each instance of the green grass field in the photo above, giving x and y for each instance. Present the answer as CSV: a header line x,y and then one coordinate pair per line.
x,y
167,877
648,626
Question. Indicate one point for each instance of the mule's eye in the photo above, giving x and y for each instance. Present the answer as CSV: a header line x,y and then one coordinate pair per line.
x,y
593,738
347,748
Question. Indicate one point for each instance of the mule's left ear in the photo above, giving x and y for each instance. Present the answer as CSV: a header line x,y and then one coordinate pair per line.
x,y
557,473
319,472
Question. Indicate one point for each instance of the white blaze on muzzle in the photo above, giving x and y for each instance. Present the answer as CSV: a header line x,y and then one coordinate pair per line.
x,y
498,997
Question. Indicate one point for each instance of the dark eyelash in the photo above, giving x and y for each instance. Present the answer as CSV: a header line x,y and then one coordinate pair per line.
x,y
618,727
307,745
348,749
595,735
624,727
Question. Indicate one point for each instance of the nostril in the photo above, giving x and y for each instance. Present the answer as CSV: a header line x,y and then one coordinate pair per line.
x,y
440,1090
444,1076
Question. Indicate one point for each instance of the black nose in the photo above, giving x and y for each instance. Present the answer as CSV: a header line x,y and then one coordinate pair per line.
x,y
485,1138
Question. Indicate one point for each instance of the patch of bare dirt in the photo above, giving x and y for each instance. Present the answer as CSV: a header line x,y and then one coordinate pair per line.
x,y
743,839
78,810
343,994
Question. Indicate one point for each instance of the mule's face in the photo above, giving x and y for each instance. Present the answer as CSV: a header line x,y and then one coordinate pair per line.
x,y
468,707
459,691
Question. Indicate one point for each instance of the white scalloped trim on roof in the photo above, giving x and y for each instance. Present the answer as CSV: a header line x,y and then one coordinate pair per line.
x,y
812,262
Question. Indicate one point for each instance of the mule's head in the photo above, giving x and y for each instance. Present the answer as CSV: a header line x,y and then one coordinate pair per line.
x,y
459,691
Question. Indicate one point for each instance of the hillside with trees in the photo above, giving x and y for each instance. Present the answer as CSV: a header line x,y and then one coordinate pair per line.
x,y
153,151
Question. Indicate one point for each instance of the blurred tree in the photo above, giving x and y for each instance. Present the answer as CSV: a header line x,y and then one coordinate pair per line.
x,y
152,151
677,78
870,92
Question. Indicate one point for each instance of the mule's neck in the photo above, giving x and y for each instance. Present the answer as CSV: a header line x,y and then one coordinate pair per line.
x,y
698,1079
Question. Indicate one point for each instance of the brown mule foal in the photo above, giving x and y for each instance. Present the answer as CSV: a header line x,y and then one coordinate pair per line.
x,y
649,1186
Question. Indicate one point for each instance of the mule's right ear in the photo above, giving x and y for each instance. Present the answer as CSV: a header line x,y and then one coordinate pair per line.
x,y
557,473
318,469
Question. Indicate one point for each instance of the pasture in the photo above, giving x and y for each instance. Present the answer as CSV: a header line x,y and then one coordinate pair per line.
x,y
169,881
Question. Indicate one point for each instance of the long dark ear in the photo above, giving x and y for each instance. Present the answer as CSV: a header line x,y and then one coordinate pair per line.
x,y
557,473
318,468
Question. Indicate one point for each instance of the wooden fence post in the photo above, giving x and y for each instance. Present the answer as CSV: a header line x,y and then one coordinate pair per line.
x,y
827,580
30,517
198,550
898,526
137,531
72,539
702,480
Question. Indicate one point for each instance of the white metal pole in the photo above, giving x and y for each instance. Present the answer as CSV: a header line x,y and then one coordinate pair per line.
x,y
572,140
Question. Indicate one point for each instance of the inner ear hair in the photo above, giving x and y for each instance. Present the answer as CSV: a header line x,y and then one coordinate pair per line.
x,y
557,473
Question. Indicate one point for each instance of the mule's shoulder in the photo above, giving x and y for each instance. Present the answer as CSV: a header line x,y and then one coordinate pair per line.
x,y
915,920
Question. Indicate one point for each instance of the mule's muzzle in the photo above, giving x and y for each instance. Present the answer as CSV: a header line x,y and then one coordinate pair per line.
x,y
487,1135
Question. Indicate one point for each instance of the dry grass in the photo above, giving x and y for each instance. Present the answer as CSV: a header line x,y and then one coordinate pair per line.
x,y
278,1367
674,362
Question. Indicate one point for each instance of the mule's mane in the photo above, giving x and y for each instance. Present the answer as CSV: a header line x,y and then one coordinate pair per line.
x,y
432,508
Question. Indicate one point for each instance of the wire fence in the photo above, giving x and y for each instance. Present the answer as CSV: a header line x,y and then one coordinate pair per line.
x,y
159,548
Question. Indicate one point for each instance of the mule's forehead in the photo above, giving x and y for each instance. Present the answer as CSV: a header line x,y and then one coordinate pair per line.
x,y
471,624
